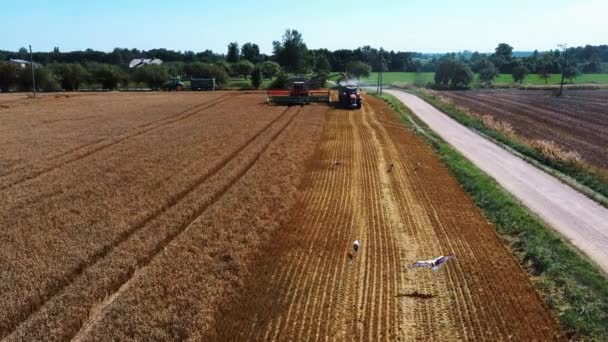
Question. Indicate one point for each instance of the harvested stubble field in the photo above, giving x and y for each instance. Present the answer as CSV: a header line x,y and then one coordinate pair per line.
x,y
578,121
303,286
213,216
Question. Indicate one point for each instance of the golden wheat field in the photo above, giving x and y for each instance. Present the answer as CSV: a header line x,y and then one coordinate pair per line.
x,y
215,217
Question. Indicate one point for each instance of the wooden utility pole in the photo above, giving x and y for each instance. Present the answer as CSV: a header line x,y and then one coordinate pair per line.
x,y
565,65
379,83
33,75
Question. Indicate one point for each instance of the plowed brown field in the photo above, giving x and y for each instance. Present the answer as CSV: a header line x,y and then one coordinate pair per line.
x,y
577,121
304,286
197,216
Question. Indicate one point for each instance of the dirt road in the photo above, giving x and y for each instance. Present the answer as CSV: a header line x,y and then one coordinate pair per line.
x,y
580,220
373,180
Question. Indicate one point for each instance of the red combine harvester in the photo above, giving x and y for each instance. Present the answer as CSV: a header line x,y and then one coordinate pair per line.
x,y
298,94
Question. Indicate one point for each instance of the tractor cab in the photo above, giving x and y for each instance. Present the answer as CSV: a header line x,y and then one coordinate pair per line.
x,y
349,97
299,88
299,93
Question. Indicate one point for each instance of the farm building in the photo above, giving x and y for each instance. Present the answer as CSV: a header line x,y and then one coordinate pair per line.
x,y
22,63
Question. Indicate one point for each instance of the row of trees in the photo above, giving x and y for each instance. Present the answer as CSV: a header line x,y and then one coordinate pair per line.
x,y
290,53
119,56
72,76
457,72
68,76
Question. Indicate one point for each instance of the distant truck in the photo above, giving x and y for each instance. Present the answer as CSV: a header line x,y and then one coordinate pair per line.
x,y
178,84
202,84
175,83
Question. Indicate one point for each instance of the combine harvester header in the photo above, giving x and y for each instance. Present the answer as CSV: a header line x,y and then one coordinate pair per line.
x,y
298,94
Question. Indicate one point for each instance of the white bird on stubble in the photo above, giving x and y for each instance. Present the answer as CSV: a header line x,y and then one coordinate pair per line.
x,y
434,264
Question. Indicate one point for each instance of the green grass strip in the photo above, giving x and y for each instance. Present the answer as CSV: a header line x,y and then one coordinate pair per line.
x,y
422,78
573,287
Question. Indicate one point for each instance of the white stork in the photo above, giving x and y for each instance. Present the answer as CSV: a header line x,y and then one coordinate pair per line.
x,y
356,246
390,168
434,264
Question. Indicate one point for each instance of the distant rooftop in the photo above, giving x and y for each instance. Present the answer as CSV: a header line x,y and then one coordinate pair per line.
x,y
139,62
22,62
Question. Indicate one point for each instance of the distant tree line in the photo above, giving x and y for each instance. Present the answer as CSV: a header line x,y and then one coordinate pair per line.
x,y
290,55
456,70
587,58
118,56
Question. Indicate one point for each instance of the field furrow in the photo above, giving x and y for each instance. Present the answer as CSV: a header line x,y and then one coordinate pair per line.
x,y
130,131
221,218
155,226
71,156
399,215
101,310
576,122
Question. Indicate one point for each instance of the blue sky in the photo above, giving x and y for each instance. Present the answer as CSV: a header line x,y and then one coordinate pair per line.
x,y
406,25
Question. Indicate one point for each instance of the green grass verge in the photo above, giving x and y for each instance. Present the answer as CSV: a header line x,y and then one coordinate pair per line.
x,y
580,174
412,78
573,287
242,84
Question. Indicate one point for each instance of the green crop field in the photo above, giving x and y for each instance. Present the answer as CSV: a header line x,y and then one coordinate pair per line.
x,y
401,77
554,79
424,77
243,84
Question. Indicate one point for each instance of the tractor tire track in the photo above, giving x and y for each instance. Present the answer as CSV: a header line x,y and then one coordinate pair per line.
x,y
142,264
336,263
32,308
392,152
324,303
324,228
19,167
7,183
386,264
308,261
302,257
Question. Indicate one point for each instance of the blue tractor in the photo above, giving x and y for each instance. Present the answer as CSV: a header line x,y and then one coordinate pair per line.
x,y
349,96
